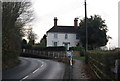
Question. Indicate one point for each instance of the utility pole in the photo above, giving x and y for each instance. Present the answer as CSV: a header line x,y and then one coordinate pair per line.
x,y
86,50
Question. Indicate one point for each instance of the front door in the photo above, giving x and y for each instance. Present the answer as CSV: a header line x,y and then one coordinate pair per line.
x,y
67,45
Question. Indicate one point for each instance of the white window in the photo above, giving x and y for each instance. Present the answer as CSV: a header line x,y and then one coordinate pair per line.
x,y
55,35
55,43
66,36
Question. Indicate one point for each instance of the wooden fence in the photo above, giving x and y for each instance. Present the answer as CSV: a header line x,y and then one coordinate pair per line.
x,y
51,54
105,66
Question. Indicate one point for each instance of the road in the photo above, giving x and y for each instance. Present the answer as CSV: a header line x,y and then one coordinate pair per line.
x,y
35,69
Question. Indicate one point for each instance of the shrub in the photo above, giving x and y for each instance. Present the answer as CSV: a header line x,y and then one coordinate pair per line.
x,y
40,48
81,49
102,62
75,48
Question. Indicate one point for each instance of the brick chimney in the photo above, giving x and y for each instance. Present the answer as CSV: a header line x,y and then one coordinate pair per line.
x,y
55,21
75,22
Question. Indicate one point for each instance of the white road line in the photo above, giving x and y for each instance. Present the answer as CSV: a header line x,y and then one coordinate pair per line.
x,y
36,70
32,72
24,78
71,62
26,58
42,65
41,62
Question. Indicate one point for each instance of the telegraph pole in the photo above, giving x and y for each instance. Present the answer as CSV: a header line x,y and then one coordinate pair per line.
x,y
86,50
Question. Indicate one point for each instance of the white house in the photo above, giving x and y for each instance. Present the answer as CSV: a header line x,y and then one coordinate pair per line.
x,y
63,35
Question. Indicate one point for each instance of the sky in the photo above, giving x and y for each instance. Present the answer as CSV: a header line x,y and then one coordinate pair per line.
x,y
67,10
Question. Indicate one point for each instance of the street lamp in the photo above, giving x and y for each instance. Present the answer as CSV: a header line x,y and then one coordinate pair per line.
x,y
86,49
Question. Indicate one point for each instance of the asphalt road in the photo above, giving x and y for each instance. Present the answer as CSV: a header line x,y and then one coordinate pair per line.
x,y
35,69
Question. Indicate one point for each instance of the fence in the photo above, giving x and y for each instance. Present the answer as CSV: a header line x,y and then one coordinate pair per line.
x,y
51,54
103,64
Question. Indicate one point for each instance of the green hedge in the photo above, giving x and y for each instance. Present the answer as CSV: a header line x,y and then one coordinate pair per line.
x,y
102,62
38,47
9,59
75,48
81,49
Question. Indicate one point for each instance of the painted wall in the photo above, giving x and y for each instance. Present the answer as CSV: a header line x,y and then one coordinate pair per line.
x,y
61,38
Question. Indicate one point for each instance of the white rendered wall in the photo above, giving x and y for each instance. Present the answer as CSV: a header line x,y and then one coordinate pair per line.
x,y
61,39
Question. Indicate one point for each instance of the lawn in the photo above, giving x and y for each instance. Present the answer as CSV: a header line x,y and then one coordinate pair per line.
x,y
79,58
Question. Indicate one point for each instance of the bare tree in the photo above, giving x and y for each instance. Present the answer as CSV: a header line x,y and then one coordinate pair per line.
x,y
14,16
31,36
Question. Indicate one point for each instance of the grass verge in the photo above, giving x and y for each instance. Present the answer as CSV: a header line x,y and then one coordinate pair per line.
x,y
79,58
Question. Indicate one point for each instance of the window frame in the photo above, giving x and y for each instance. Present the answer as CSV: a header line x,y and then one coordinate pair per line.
x,y
66,36
55,35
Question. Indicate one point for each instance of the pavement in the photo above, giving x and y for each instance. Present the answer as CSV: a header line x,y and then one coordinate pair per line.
x,y
82,71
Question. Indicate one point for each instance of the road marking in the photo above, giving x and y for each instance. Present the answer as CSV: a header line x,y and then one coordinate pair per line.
x,y
26,58
33,71
24,78
36,70
42,65
71,62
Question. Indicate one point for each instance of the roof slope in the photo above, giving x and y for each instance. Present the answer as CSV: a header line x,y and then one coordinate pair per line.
x,y
63,29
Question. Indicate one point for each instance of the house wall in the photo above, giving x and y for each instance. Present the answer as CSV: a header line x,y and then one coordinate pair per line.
x,y
61,38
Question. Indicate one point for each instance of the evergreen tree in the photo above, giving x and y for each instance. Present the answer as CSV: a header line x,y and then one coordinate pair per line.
x,y
97,30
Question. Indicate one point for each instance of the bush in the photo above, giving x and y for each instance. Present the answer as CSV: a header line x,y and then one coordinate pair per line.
x,y
75,48
9,59
102,62
81,49
58,48
26,46
40,48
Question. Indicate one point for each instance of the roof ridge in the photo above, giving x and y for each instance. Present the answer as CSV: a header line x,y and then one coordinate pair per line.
x,y
65,26
63,29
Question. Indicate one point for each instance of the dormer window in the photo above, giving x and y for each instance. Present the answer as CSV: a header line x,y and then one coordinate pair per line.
x,y
66,36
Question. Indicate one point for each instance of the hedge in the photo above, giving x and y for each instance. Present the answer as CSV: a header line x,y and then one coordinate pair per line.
x,y
103,62
81,49
37,47
75,48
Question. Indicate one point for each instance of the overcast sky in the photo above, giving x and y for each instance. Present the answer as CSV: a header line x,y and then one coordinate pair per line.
x,y
67,10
